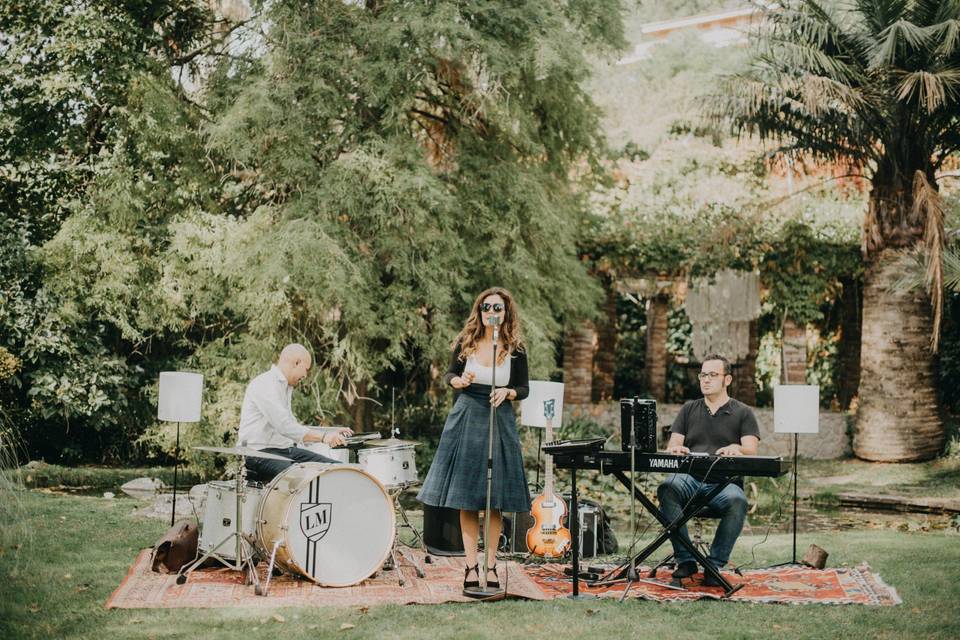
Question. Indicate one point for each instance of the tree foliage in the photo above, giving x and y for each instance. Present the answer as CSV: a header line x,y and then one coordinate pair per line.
x,y
348,176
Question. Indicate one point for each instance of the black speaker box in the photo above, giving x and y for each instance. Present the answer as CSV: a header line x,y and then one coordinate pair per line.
x,y
441,531
514,536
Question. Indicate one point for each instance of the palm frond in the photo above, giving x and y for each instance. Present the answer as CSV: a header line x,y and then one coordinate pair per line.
x,y
931,12
928,206
900,37
820,93
931,89
951,269
948,32
877,15
792,56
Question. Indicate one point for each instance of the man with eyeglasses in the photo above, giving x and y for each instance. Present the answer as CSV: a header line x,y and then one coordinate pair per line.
x,y
716,425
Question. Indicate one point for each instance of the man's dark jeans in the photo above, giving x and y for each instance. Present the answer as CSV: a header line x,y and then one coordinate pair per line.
x,y
264,470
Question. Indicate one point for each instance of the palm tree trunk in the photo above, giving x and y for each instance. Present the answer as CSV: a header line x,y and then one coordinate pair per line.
x,y
897,418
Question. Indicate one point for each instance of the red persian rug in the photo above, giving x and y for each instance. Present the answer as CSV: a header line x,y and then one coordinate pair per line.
x,y
784,585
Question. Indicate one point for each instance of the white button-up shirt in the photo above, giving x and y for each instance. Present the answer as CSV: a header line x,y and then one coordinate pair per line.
x,y
266,418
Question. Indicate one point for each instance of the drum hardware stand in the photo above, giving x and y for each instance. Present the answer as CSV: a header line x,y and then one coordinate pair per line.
x,y
262,591
244,554
397,552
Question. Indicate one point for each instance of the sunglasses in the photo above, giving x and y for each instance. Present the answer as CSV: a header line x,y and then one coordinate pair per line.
x,y
486,307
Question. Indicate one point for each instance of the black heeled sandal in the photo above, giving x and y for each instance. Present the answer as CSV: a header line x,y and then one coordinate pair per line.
x,y
493,584
467,584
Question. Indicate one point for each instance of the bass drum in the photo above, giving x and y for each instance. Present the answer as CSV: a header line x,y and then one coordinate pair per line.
x,y
335,523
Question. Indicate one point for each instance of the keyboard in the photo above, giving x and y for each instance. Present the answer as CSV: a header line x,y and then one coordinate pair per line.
x,y
720,466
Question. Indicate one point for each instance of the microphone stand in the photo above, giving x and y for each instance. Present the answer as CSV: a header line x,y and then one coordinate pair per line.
x,y
632,575
632,568
483,592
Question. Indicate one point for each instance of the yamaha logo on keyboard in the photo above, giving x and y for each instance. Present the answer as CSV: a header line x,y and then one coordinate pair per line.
x,y
664,463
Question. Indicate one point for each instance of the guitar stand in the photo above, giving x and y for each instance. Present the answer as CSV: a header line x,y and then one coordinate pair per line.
x,y
670,529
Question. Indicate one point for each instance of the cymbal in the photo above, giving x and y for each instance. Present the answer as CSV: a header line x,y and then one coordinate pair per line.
x,y
243,451
391,442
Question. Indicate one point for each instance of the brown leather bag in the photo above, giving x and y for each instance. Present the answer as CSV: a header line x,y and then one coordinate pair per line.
x,y
177,547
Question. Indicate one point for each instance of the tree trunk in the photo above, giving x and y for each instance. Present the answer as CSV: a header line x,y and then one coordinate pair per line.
x,y
578,364
656,358
851,317
605,358
897,418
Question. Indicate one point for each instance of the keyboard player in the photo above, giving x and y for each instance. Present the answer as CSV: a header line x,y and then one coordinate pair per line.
x,y
718,425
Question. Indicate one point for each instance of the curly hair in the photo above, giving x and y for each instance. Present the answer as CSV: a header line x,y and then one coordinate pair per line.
x,y
511,331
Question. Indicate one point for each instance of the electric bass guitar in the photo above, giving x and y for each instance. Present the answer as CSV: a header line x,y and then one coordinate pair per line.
x,y
548,537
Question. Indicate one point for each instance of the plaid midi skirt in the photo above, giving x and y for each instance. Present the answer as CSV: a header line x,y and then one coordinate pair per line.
x,y
457,478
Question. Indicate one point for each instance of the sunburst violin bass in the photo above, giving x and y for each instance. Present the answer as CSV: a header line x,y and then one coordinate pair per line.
x,y
548,537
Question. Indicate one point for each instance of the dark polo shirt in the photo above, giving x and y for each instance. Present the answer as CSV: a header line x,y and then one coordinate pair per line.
x,y
705,433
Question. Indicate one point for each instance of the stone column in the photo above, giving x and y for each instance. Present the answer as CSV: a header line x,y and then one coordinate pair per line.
x,y
744,387
578,347
605,357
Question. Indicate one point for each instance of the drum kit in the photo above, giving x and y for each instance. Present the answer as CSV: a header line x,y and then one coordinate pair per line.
x,y
333,524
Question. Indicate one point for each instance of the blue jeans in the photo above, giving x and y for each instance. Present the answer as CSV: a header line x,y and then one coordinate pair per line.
x,y
679,489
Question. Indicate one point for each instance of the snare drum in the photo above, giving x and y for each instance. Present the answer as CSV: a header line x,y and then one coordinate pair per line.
x,y
335,523
220,512
394,466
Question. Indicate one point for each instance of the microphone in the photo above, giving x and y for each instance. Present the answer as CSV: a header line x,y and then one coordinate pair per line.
x,y
494,321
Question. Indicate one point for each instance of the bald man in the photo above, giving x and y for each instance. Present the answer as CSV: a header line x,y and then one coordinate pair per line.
x,y
267,422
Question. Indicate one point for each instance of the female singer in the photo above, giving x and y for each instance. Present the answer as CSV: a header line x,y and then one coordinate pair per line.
x,y
457,477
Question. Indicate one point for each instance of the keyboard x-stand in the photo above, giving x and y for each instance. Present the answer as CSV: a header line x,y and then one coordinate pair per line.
x,y
723,469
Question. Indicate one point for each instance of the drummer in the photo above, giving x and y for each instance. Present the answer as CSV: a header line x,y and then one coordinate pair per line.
x,y
267,422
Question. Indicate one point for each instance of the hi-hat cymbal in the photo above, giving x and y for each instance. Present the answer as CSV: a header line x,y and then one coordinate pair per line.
x,y
243,451
390,442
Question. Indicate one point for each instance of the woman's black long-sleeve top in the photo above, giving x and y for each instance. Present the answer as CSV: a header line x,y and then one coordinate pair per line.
x,y
519,374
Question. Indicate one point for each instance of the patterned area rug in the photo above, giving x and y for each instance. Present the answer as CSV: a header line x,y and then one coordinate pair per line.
x,y
784,585
443,582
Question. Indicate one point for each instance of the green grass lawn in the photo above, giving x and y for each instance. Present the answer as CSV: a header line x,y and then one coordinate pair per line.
x,y
62,556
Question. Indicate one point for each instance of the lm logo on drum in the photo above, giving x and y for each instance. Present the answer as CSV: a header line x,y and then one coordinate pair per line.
x,y
315,520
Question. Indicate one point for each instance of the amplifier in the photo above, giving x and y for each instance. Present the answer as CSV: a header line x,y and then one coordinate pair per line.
x,y
513,539
642,414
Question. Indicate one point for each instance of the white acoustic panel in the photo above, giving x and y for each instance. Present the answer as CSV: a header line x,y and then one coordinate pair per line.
x,y
533,407
796,408
181,396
